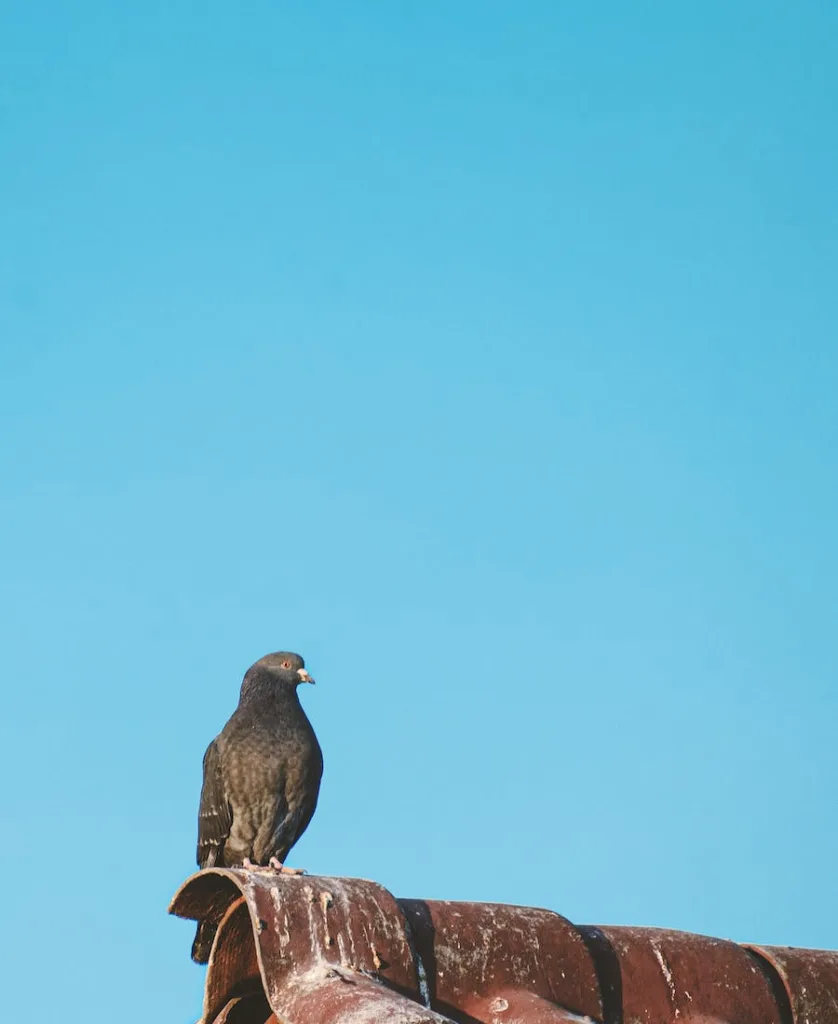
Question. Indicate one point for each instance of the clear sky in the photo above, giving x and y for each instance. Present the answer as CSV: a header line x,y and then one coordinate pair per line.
x,y
485,353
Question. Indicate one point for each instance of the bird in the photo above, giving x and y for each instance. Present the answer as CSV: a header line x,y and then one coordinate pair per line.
x,y
261,778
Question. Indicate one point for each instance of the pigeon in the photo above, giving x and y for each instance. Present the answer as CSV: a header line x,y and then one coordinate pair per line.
x,y
261,778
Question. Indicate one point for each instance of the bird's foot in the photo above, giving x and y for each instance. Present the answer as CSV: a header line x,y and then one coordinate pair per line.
x,y
261,869
273,867
282,869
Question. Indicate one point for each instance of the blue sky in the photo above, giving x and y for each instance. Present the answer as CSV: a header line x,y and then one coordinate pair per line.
x,y
484,353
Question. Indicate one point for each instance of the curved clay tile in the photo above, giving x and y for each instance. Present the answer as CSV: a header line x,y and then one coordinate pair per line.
x,y
299,950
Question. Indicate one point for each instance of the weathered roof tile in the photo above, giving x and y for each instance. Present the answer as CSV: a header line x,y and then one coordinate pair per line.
x,y
299,950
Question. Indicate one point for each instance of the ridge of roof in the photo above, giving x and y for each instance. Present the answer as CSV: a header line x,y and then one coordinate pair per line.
x,y
292,950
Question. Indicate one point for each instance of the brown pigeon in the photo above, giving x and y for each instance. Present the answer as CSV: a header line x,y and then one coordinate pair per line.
x,y
261,778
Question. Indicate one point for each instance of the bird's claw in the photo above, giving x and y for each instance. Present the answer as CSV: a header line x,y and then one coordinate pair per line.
x,y
282,869
272,867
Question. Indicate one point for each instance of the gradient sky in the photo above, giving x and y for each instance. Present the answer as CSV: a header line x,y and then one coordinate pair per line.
x,y
485,353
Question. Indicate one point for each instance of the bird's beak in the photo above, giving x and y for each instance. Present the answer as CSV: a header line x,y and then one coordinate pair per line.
x,y
304,676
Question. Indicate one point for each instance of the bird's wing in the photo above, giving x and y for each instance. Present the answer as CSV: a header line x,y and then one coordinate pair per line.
x,y
215,818
296,827
287,829
294,815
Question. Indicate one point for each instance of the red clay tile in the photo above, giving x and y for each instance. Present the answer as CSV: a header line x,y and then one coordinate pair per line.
x,y
344,951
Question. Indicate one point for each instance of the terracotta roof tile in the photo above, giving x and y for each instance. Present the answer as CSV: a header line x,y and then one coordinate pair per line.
x,y
309,949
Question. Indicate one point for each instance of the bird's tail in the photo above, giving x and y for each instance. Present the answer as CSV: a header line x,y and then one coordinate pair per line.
x,y
203,941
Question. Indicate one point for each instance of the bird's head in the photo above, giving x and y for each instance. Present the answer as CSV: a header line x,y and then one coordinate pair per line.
x,y
284,668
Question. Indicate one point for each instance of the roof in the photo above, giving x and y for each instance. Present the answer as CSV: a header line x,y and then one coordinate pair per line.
x,y
299,950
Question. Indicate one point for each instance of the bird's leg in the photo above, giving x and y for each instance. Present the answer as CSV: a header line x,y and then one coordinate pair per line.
x,y
273,867
282,869
248,865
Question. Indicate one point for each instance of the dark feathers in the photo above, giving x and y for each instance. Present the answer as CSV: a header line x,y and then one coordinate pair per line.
x,y
261,776
214,814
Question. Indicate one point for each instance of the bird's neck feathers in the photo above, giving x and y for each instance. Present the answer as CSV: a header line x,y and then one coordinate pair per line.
x,y
265,688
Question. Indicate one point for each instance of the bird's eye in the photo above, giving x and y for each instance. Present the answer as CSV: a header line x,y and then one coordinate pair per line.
x,y
286,664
